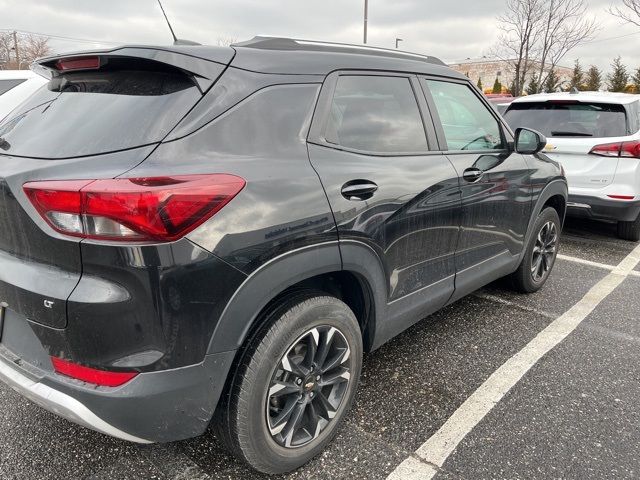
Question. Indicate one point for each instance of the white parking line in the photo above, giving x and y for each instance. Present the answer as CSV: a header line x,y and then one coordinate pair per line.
x,y
504,301
593,264
424,464
586,262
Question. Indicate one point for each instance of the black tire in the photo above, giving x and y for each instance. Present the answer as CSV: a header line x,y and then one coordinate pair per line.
x,y
243,422
629,230
524,279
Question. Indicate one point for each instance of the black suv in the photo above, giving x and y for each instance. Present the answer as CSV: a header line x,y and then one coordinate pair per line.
x,y
193,235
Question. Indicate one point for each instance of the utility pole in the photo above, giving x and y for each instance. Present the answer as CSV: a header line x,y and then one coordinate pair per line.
x,y
366,18
15,47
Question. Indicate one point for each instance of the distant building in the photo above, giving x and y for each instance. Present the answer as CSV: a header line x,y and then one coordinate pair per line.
x,y
487,69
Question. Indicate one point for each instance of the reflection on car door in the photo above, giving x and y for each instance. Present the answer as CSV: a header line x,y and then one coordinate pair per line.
x,y
386,188
494,182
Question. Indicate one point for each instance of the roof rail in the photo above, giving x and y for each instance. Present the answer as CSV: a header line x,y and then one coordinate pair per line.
x,y
281,43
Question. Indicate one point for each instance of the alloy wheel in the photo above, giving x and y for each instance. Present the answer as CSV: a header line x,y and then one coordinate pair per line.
x,y
308,386
544,251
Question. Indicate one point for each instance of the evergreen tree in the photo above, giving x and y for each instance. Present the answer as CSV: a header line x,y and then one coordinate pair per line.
x,y
480,84
552,82
636,80
577,77
594,79
619,77
533,86
497,86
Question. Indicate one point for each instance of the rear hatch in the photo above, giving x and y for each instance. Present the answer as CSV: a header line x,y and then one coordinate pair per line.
x,y
573,129
100,115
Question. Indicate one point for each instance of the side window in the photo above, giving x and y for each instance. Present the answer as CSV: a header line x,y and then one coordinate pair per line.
x,y
376,114
467,122
6,85
635,125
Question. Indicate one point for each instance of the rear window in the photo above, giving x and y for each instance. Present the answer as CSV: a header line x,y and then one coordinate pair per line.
x,y
376,114
570,119
6,85
123,105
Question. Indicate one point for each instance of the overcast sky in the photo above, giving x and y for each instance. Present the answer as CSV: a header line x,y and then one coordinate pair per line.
x,y
451,30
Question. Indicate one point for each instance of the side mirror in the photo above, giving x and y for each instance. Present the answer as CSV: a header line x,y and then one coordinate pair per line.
x,y
529,142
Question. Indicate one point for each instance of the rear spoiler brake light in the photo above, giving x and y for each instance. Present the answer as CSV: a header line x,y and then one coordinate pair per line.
x,y
78,63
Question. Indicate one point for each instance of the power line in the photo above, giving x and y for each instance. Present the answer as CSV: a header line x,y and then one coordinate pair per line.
x,y
60,37
610,38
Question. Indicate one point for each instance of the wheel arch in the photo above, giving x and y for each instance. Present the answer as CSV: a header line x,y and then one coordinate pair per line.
x,y
358,281
554,194
559,204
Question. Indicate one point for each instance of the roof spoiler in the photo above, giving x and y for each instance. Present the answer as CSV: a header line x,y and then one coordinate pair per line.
x,y
202,62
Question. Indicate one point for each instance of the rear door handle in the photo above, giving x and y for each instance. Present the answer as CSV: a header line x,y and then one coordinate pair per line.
x,y
359,189
472,174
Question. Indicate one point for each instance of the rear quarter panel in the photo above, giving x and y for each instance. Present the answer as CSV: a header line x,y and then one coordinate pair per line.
x,y
263,140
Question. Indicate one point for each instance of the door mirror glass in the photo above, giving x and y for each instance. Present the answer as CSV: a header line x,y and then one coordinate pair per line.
x,y
529,142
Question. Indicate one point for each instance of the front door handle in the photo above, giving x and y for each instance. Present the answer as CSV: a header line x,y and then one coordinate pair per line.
x,y
472,174
359,189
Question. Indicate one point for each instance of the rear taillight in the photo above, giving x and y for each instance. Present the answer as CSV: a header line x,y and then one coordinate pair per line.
x,y
618,149
630,149
161,209
103,378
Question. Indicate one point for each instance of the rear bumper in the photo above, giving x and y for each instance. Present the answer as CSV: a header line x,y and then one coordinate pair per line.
x,y
601,209
154,407
60,403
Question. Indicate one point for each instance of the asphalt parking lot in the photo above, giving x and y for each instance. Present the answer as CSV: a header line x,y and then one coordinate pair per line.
x,y
573,414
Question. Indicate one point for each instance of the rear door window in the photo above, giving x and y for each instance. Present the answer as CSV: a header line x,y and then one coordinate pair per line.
x,y
570,118
122,105
6,85
467,122
376,114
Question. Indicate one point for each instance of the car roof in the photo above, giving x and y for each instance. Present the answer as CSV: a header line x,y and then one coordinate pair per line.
x,y
595,97
295,56
292,56
16,74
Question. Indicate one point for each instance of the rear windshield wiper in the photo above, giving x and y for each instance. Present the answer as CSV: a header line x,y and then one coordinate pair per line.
x,y
570,134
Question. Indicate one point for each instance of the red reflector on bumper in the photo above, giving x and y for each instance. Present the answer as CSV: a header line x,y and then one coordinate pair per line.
x,y
621,197
91,375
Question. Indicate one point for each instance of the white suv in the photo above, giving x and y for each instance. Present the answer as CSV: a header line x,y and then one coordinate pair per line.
x,y
15,87
596,137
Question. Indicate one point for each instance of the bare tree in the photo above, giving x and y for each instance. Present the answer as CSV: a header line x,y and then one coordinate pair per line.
x,y
30,48
629,11
520,27
538,34
226,41
6,46
566,26
33,47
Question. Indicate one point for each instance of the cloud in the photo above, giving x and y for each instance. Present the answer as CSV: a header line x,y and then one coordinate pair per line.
x,y
449,30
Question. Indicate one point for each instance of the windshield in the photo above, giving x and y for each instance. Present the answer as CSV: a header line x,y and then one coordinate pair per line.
x,y
126,105
569,119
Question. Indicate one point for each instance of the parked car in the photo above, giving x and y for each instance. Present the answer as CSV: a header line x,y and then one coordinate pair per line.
x,y
196,235
15,87
596,137
500,101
